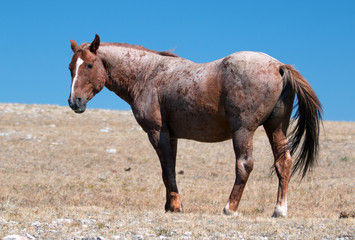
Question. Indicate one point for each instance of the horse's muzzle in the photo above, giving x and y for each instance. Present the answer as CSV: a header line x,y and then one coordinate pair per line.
x,y
77,104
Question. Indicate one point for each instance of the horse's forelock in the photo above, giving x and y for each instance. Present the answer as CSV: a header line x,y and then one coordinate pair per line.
x,y
84,46
81,53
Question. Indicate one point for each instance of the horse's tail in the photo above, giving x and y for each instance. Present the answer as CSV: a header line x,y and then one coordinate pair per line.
x,y
308,119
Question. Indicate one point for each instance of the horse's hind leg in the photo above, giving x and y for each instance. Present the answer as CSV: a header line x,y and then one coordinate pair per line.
x,y
243,148
276,128
283,162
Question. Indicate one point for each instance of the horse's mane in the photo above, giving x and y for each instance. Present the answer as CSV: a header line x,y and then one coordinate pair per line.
x,y
138,47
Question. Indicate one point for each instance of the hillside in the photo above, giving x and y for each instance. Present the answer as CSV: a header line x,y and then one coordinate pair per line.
x,y
74,176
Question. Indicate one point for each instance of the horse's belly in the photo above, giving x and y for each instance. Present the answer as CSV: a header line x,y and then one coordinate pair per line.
x,y
200,127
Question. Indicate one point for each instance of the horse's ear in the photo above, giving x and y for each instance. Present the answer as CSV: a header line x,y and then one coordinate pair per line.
x,y
95,44
74,45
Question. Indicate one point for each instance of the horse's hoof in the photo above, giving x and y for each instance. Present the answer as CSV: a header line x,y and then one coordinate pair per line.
x,y
175,204
279,212
175,210
229,212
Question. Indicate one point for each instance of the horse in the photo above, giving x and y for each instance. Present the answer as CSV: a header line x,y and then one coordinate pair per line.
x,y
172,97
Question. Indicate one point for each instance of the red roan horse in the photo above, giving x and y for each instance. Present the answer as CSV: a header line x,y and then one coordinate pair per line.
x,y
173,98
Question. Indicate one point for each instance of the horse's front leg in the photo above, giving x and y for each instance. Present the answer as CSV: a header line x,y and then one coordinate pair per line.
x,y
166,149
243,148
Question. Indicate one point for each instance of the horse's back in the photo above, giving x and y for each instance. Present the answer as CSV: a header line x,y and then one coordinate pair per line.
x,y
252,56
204,102
251,64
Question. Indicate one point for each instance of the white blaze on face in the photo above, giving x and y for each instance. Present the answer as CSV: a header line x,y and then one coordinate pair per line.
x,y
78,63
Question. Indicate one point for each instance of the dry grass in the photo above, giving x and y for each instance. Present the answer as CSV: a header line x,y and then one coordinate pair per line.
x,y
64,175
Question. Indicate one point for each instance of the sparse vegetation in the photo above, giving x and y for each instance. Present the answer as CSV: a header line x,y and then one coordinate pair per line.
x,y
64,175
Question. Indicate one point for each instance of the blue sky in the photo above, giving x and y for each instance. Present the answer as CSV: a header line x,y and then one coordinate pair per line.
x,y
317,37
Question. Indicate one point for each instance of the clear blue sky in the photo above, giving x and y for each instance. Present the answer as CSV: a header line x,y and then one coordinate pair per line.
x,y
317,37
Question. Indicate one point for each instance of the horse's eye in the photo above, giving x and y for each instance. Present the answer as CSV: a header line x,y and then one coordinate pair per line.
x,y
89,66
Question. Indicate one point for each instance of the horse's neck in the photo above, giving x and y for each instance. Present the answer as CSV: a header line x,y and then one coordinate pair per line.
x,y
127,67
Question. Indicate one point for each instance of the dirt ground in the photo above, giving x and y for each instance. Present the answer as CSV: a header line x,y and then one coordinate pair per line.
x,y
95,176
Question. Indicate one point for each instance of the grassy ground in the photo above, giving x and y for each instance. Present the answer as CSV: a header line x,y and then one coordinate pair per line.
x,y
65,176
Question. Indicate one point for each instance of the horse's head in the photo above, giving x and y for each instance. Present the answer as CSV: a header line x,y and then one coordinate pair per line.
x,y
88,74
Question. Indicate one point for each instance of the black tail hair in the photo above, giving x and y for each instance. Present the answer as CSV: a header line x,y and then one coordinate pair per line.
x,y
308,119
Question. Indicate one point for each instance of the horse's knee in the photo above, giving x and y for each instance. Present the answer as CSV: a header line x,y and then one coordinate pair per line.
x,y
248,165
244,168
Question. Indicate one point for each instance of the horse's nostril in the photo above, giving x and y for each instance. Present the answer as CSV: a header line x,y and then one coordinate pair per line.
x,y
79,100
